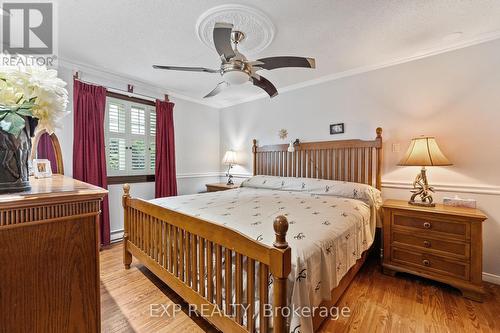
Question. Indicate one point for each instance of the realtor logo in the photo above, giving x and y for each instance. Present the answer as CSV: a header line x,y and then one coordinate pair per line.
x,y
27,28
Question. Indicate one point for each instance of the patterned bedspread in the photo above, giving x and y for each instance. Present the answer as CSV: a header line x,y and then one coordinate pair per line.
x,y
331,224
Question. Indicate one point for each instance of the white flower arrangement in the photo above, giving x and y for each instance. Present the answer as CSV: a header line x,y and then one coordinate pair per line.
x,y
31,91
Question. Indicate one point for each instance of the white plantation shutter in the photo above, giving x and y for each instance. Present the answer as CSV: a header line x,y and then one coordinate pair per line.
x,y
137,120
152,156
116,114
138,155
152,122
152,140
116,154
130,131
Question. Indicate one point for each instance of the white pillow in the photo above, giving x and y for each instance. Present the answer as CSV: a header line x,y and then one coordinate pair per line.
x,y
359,191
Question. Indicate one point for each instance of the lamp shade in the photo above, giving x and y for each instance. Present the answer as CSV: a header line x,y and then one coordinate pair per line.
x,y
424,151
230,157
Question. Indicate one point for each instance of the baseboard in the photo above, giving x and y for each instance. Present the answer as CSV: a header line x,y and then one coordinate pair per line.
x,y
491,278
116,235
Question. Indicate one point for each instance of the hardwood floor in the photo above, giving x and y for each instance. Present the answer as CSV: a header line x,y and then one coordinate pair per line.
x,y
378,303
126,296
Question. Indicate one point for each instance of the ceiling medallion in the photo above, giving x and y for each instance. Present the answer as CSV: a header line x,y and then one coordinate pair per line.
x,y
258,28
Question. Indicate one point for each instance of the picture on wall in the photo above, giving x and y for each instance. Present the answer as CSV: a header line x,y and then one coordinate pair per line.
x,y
337,128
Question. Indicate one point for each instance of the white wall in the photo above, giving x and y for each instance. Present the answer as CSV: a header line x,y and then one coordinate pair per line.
x,y
454,96
196,141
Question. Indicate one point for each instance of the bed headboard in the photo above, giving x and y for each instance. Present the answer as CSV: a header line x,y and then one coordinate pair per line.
x,y
357,161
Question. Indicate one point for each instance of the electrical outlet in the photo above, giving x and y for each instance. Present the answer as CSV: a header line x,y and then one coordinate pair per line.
x,y
396,147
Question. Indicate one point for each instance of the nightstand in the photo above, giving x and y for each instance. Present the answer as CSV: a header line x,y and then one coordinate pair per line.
x,y
442,243
220,187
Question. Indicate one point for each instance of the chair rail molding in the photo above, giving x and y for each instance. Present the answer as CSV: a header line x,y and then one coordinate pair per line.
x,y
199,174
439,187
444,187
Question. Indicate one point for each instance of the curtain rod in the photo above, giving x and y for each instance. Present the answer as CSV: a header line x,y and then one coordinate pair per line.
x,y
121,91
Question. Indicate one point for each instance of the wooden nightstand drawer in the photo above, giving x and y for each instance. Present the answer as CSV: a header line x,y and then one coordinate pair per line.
x,y
431,263
442,243
430,244
453,228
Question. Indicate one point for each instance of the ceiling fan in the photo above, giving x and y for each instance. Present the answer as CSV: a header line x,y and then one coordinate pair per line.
x,y
235,69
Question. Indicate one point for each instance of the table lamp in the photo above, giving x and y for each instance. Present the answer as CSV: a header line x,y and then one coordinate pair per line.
x,y
229,160
423,151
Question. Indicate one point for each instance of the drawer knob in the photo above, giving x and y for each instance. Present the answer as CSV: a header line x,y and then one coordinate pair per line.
x,y
427,225
427,244
426,262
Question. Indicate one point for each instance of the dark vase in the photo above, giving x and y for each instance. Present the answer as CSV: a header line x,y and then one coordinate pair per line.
x,y
14,157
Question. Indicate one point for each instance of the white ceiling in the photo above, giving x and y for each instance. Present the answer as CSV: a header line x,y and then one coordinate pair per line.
x,y
127,37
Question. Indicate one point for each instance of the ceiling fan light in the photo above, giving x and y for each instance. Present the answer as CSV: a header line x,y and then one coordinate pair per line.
x,y
236,77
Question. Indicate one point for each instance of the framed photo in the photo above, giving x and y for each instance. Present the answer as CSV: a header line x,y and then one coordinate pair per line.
x,y
41,168
337,128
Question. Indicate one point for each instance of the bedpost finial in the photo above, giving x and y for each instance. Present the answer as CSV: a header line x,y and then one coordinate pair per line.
x,y
280,228
379,132
126,195
126,190
254,142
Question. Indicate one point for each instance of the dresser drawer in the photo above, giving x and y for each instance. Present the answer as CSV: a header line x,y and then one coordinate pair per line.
x,y
430,263
453,228
447,247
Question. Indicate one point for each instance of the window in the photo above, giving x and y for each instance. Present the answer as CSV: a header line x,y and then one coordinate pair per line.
x,y
130,130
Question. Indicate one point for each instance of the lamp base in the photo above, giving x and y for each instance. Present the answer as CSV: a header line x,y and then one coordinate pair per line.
x,y
230,180
422,204
229,176
422,189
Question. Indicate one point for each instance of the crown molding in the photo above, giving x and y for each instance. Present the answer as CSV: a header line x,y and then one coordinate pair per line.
x,y
483,38
128,79
103,72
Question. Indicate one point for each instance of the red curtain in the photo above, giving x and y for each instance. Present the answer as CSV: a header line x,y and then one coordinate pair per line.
x,y
45,150
89,157
166,179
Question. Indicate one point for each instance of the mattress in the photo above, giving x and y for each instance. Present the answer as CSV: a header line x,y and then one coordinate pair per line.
x,y
331,224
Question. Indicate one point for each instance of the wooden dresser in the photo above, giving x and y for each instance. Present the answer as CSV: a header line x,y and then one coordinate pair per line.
x,y
49,257
442,243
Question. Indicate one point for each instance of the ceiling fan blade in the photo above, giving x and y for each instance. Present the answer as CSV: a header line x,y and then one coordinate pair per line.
x,y
255,63
265,84
188,69
222,40
280,62
221,86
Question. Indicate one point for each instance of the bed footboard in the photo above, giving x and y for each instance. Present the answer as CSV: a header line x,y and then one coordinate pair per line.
x,y
207,265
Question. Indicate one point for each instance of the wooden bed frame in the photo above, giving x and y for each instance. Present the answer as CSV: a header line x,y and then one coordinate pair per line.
x,y
175,247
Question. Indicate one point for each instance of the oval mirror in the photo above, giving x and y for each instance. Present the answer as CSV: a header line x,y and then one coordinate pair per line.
x,y
46,146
